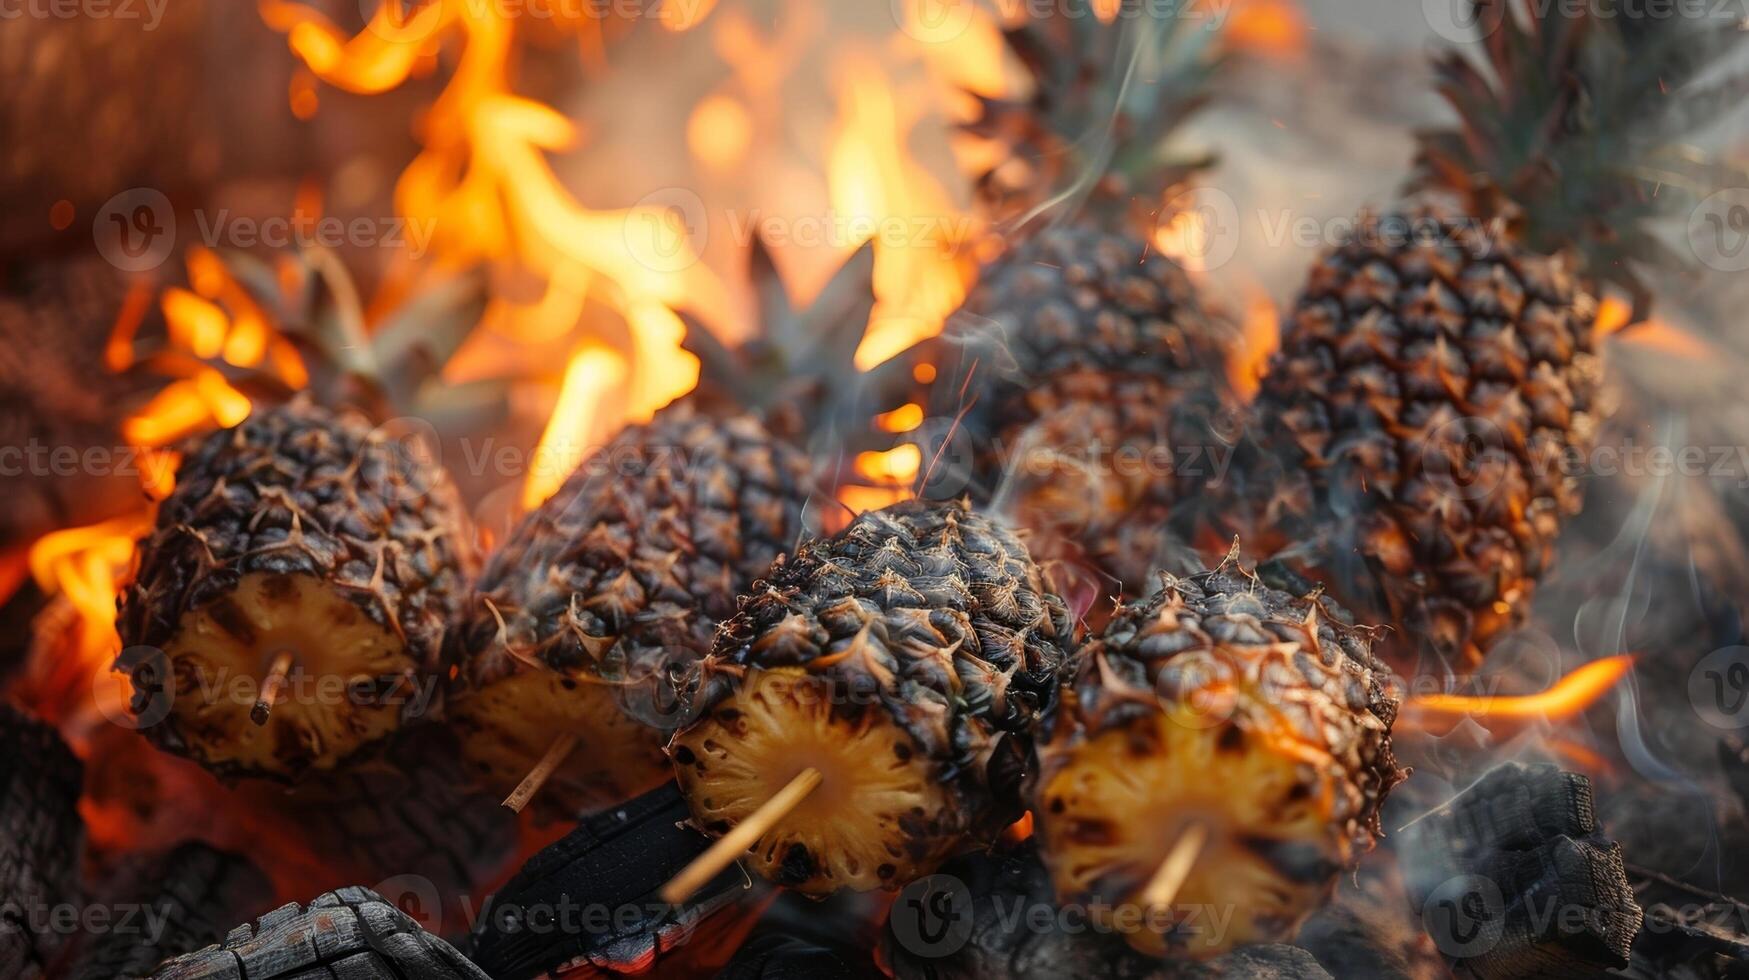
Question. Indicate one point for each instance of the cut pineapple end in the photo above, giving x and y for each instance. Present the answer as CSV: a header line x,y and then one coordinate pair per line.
x,y
1112,807
879,817
348,683
507,727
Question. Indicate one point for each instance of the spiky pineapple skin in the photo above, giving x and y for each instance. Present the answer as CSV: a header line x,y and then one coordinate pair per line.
x,y
1434,384
298,493
923,617
1097,391
614,586
1266,686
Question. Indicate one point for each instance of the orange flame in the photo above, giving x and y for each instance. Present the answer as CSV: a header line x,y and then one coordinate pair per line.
x,y
1271,28
1260,335
87,566
919,275
1569,696
214,321
484,185
593,373
1656,335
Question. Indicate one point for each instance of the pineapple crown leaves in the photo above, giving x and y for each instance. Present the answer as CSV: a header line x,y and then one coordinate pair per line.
x,y
1569,128
1108,93
386,371
798,371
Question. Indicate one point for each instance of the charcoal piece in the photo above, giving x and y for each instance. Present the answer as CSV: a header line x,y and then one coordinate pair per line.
x,y
1513,878
409,808
590,899
1368,930
1689,931
348,934
774,956
40,839
171,904
994,915
1734,759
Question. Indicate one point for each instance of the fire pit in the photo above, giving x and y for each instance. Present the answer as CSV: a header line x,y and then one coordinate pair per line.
x,y
757,488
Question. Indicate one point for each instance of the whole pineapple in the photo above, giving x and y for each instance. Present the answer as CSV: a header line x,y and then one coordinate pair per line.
x,y
605,595
307,539
1225,708
1437,376
906,659
1091,375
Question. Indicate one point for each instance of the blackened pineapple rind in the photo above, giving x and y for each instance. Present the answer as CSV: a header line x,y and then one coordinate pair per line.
x,y
926,611
299,491
1435,382
1095,346
625,572
1309,672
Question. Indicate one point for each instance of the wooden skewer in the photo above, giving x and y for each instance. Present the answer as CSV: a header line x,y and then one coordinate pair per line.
x,y
1169,877
531,783
742,836
270,686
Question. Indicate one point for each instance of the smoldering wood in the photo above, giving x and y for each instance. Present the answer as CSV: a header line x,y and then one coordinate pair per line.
x,y
349,934
1515,879
616,860
41,839
192,895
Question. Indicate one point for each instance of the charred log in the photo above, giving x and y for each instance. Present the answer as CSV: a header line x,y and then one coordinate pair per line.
x,y
1514,879
173,903
774,956
349,933
409,809
588,905
41,836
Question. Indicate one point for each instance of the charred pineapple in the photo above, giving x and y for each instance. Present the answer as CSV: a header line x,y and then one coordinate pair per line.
x,y
1091,375
1230,714
906,660
1439,375
607,593
295,589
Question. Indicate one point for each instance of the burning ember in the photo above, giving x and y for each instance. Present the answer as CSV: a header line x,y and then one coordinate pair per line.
x,y
694,488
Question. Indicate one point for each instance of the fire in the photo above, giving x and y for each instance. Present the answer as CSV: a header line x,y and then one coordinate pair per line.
x,y
1260,335
86,565
1272,28
1656,335
483,182
920,276
592,374
1569,696
214,322
1615,322
902,419
1185,239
